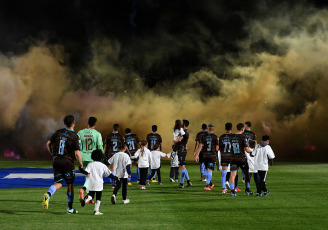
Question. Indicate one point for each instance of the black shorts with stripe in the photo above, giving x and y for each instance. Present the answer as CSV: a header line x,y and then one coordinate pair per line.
x,y
182,160
225,160
63,170
210,162
239,162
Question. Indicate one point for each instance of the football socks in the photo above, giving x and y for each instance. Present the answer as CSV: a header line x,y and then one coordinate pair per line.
x,y
51,190
209,177
232,186
223,178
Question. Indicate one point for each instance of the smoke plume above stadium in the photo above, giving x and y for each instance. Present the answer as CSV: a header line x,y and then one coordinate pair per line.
x,y
272,72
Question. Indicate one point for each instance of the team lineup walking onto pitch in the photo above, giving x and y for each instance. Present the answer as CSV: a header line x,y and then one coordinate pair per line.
x,y
113,158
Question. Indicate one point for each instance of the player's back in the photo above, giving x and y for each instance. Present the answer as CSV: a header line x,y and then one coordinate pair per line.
x,y
152,139
185,139
209,141
64,143
199,137
90,140
113,140
249,135
132,141
225,144
238,142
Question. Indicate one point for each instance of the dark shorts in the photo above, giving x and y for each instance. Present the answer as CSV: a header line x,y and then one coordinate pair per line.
x,y
63,170
201,158
210,162
182,160
225,161
239,162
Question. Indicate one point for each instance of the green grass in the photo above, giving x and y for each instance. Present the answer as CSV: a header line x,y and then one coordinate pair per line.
x,y
298,200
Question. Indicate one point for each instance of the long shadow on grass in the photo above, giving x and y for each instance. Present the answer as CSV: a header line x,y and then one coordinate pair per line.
x,y
25,211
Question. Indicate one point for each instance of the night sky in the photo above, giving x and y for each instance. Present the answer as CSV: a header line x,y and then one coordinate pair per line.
x,y
141,63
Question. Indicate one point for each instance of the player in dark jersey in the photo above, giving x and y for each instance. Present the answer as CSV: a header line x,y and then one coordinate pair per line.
x,y
199,136
249,135
133,142
112,142
63,146
182,153
239,159
226,153
153,139
210,144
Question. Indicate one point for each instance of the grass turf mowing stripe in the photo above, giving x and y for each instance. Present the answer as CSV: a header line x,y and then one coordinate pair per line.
x,y
297,201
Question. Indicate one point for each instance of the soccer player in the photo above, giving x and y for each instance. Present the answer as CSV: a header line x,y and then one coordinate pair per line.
x,y
96,170
133,142
201,162
155,163
261,163
182,153
112,141
239,159
211,146
152,139
63,146
122,169
144,162
249,135
226,152
90,140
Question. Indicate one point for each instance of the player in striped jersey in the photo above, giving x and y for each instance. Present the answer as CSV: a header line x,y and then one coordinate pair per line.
x,y
182,153
62,146
199,136
249,135
90,140
226,152
211,147
133,142
239,159
112,141
152,139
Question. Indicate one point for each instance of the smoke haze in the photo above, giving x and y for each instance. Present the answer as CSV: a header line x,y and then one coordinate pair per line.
x,y
273,73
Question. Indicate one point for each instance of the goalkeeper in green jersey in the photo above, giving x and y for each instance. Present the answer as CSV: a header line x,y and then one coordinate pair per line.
x,y
90,140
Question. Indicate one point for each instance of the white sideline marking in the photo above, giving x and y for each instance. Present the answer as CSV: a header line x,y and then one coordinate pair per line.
x,y
33,175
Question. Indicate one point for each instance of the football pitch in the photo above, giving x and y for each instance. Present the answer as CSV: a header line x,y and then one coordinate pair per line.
x,y
298,200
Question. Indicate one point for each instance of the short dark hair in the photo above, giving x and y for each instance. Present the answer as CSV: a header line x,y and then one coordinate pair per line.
x,y
154,128
127,130
116,127
97,155
228,126
121,145
68,120
204,126
252,143
240,126
265,138
156,146
248,123
186,123
92,121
